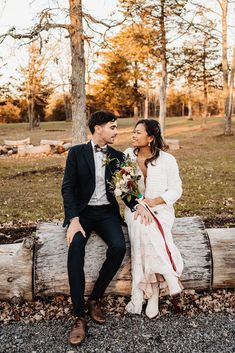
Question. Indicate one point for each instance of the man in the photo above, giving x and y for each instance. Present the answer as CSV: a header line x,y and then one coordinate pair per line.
x,y
89,205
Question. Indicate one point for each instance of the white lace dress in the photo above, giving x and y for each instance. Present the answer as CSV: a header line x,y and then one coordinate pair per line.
x,y
150,263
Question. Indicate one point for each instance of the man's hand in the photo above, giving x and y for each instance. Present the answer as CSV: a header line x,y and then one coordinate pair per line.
x,y
73,228
145,216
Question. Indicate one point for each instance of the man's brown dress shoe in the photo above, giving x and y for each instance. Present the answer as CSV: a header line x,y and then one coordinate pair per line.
x,y
78,331
94,309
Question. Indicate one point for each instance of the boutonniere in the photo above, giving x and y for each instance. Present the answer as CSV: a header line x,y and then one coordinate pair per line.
x,y
107,160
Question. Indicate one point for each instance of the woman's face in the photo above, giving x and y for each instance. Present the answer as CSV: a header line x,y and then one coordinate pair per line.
x,y
140,137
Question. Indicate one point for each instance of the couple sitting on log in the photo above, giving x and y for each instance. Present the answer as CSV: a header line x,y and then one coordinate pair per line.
x,y
147,179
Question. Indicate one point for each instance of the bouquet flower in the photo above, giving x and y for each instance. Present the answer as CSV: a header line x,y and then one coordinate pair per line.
x,y
125,180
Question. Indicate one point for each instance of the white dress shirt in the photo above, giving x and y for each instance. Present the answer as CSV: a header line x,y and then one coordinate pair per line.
x,y
99,196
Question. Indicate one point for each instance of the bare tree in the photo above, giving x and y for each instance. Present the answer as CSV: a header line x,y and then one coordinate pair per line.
x,y
76,36
227,93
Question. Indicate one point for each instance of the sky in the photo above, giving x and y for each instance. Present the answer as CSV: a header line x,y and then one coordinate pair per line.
x,y
21,14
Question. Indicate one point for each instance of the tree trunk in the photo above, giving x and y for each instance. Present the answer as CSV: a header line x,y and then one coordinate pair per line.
x,y
146,101
163,85
190,117
78,96
227,124
28,150
67,107
182,109
17,142
223,256
16,264
51,255
136,112
136,93
231,88
205,109
205,90
31,111
208,261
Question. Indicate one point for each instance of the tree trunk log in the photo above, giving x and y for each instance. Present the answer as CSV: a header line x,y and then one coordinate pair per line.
x,y
51,257
16,274
208,256
222,242
173,144
52,142
32,150
78,94
14,143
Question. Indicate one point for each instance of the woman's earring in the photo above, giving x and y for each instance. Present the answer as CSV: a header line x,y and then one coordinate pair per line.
x,y
149,144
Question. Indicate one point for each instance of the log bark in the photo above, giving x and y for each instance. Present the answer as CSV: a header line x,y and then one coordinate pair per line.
x,y
32,150
78,94
52,142
222,242
15,143
51,259
16,264
173,144
208,256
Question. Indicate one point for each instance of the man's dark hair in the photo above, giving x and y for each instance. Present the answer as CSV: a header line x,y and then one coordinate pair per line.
x,y
100,118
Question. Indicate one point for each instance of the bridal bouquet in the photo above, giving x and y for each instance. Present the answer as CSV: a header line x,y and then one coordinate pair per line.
x,y
125,180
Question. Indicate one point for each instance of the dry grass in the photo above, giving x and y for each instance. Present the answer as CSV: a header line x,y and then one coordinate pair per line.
x,y
206,160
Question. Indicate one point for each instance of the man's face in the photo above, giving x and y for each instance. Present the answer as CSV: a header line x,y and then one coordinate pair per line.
x,y
107,132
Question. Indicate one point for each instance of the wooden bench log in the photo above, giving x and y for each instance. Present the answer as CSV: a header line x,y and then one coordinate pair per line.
x,y
16,271
222,242
14,143
51,259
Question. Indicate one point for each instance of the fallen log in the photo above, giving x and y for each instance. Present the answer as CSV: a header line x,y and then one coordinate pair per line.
x,y
208,259
222,242
52,142
62,148
16,271
32,150
15,143
51,257
173,144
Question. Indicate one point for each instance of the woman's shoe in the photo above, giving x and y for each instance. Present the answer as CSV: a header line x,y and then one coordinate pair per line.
x,y
134,308
152,308
173,284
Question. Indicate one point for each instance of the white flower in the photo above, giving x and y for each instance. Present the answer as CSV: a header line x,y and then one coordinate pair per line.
x,y
117,192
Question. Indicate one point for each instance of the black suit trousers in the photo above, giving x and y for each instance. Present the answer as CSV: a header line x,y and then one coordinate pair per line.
x,y
106,224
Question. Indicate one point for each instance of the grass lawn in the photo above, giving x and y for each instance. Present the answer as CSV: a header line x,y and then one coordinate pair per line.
x,y
30,187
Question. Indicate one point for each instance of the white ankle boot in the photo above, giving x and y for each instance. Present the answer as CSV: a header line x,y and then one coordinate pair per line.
x,y
152,308
173,284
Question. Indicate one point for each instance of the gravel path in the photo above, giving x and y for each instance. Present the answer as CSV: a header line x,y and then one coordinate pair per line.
x,y
213,333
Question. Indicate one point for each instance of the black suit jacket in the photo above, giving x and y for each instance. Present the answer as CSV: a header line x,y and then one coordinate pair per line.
x,y
79,180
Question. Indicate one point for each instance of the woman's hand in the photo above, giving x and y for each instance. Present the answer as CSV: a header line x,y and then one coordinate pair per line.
x,y
153,202
150,202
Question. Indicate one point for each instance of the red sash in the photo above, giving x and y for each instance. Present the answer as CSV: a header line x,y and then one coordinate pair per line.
x,y
162,233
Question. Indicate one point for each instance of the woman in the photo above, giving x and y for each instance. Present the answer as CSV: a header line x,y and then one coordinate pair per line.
x,y
156,261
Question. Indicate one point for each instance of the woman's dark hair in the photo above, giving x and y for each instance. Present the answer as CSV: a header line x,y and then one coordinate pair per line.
x,y
153,129
100,118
